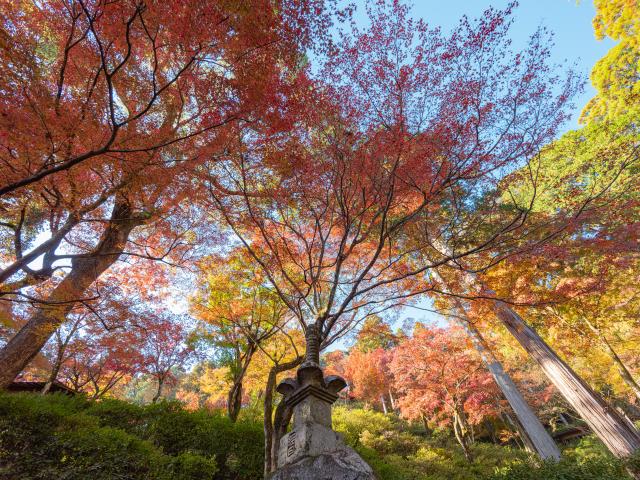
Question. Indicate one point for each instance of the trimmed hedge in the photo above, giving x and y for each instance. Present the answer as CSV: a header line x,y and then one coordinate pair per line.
x,y
62,437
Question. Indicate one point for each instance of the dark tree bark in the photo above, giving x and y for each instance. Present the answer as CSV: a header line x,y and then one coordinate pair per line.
x,y
158,394
234,397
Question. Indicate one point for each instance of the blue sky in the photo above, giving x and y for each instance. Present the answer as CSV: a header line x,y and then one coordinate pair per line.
x,y
570,22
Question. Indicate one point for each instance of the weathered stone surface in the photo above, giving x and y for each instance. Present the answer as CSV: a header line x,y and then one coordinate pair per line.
x,y
307,440
312,410
343,464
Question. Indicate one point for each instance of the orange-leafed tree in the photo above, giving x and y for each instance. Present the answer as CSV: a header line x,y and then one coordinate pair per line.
x,y
239,314
369,377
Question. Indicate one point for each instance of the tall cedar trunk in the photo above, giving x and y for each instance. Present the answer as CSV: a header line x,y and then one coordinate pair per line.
x,y
85,270
274,429
619,437
531,426
522,434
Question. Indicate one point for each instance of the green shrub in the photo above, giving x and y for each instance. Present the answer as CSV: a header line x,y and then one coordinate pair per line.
x,y
190,466
56,436
352,423
105,453
567,469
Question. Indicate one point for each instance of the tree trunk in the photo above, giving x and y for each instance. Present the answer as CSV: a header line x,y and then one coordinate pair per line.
x,y
53,375
462,435
156,397
604,421
26,344
527,444
234,400
393,400
275,429
384,404
533,430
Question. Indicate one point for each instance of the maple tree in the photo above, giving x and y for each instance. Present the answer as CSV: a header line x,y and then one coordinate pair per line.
x,y
397,134
162,342
109,108
439,376
239,315
99,360
375,333
369,376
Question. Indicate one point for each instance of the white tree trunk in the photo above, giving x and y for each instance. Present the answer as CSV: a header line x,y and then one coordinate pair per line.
x,y
619,437
538,436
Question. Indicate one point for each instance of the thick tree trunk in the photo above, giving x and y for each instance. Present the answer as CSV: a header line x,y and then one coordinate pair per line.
x,y
530,428
619,437
534,431
85,270
522,434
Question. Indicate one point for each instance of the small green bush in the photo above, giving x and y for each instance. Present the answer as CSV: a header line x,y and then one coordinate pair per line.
x,y
190,466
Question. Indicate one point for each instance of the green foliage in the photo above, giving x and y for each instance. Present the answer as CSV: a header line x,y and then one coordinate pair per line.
x,y
397,451
353,423
57,436
188,466
567,469
588,459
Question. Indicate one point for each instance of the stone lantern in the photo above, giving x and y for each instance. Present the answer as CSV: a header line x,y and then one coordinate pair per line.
x,y
312,450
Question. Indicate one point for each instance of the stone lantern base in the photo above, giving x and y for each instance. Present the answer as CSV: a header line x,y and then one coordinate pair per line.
x,y
342,464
